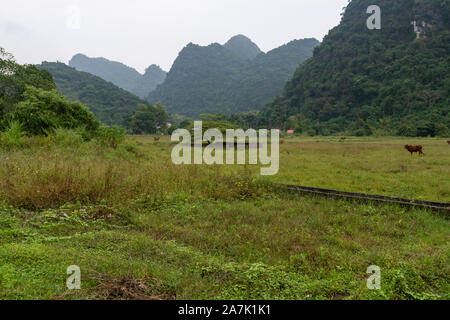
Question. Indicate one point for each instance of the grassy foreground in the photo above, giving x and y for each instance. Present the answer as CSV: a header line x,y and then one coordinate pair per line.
x,y
142,228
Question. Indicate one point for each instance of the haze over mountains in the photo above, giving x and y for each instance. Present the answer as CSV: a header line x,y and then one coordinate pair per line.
x,y
121,75
229,78
393,81
233,77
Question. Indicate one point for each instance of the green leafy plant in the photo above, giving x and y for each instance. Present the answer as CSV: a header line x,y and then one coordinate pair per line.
x,y
43,112
12,137
111,136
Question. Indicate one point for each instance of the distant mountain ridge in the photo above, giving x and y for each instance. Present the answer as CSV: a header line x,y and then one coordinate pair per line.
x,y
229,78
121,75
110,104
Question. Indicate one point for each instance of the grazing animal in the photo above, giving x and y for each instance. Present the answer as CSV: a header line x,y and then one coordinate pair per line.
x,y
448,142
156,138
413,149
343,138
281,141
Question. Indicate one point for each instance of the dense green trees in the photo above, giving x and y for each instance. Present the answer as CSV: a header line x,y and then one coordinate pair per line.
x,y
364,81
147,119
15,78
230,78
43,111
29,101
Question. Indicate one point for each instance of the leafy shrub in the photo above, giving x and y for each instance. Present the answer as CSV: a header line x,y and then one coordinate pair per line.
x,y
84,133
12,137
44,111
131,148
111,136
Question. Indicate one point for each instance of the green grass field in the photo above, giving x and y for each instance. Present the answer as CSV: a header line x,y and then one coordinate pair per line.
x,y
140,227
371,165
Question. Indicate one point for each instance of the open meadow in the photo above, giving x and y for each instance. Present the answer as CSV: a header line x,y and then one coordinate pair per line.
x,y
140,227
369,165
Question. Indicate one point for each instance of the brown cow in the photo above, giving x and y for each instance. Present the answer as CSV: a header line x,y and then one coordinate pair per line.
x,y
281,141
343,138
448,142
413,149
156,138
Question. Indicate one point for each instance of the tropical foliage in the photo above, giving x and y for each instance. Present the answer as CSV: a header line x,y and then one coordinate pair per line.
x,y
363,81
147,119
15,78
43,111
30,103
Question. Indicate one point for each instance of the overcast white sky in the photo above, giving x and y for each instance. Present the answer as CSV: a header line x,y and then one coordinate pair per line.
x,y
143,32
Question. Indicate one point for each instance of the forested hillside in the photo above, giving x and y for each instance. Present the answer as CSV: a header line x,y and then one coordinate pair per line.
x,y
198,80
121,75
229,78
265,76
110,104
390,81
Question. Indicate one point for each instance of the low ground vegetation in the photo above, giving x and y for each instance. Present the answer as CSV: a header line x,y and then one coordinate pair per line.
x,y
142,228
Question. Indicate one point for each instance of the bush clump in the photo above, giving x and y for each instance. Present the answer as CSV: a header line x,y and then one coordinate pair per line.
x,y
110,136
12,137
42,112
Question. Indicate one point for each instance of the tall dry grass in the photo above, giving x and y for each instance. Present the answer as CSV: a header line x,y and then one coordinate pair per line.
x,y
48,177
